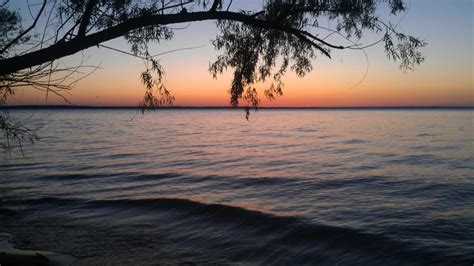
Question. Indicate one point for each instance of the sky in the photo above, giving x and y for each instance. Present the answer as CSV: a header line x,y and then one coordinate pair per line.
x,y
348,79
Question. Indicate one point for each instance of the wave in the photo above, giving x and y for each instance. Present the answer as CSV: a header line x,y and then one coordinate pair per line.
x,y
416,160
306,130
224,211
283,239
354,141
125,176
215,180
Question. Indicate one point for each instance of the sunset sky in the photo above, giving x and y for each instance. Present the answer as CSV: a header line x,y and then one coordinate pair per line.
x,y
444,79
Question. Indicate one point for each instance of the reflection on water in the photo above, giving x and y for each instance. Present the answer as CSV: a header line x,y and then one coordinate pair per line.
x,y
289,186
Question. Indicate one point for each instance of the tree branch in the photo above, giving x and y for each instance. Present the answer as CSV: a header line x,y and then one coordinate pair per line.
x,y
26,31
86,18
62,49
215,5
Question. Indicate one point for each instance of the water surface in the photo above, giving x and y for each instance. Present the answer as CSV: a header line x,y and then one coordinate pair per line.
x,y
289,186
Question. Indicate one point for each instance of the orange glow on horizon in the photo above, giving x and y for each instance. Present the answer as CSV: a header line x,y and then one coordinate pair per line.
x,y
446,78
332,83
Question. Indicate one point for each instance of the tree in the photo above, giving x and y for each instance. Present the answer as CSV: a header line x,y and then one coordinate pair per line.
x,y
257,45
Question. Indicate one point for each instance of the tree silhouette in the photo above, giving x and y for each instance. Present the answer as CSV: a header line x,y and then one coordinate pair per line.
x,y
258,45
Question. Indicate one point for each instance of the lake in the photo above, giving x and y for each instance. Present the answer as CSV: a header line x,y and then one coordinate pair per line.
x,y
206,186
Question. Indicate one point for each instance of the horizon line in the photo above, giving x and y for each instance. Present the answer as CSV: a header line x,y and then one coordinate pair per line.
x,y
65,106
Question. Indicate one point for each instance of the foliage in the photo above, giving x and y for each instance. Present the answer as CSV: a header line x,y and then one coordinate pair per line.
x,y
258,45
15,133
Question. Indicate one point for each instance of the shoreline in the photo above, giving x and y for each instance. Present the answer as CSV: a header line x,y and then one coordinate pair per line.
x,y
9,255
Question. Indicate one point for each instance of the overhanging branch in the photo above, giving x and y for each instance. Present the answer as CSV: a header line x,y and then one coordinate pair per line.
x,y
65,48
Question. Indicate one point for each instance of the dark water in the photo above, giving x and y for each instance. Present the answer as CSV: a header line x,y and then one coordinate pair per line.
x,y
293,187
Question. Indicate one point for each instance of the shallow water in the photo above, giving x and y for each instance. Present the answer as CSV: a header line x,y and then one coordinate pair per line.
x,y
289,186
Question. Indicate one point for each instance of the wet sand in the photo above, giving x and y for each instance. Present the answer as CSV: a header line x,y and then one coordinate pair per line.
x,y
12,256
